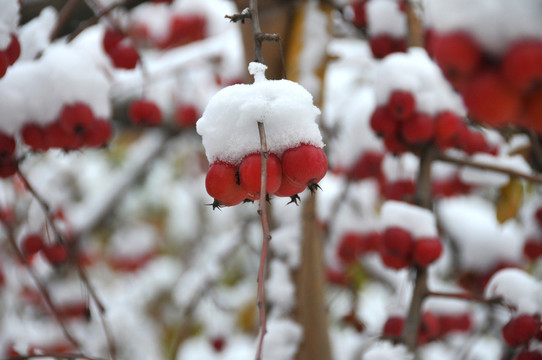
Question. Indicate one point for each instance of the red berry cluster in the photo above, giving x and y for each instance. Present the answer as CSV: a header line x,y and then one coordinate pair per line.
x,y
497,91
532,248
299,167
182,29
75,128
399,249
353,245
432,327
56,254
401,127
9,55
145,112
521,329
119,49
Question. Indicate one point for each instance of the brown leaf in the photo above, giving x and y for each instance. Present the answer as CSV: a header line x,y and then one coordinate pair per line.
x,y
510,200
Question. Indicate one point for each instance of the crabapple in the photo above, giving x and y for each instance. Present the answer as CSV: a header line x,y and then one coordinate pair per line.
x,y
401,104
56,254
520,330
304,165
145,112
382,121
522,64
222,183
349,247
186,115
33,135
393,327
250,173
419,129
426,251
99,133
367,166
32,243
13,51
75,119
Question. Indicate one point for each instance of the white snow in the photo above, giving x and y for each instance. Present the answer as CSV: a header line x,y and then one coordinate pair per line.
x,y
517,288
384,17
279,288
482,242
418,221
9,19
282,339
229,125
384,350
35,35
474,176
415,72
495,24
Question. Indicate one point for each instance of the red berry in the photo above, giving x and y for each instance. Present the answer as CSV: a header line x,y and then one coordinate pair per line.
x,y
392,261
288,188
218,343
57,137
360,13
349,247
34,136
13,50
7,145
519,330
76,118
532,249
393,143
111,40
393,327
533,110
429,328
382,45
367,166
538,216
145,112
370,242
457,54
99,133
186,115
529,355
490,101
184,29
474,142
4,63
222,183
398,242
32,243
250,173
124,56
522,64
304,165
8,166
382,121
56,254
401,104
419,129
399,190
447,125
426,251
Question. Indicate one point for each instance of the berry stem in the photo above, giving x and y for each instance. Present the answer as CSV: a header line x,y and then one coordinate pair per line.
x,y
262,211
423,198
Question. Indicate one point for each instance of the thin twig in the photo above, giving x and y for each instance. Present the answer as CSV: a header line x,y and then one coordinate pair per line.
x,y
63,17
262,211
489,167
40,285
54,355
94,20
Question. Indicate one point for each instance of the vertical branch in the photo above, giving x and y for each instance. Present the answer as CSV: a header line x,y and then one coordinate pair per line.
x,y
423,198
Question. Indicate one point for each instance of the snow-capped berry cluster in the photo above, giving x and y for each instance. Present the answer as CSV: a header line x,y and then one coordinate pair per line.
x,y
10,49
120,50
385,22
496,66
229,130
416,107
75,127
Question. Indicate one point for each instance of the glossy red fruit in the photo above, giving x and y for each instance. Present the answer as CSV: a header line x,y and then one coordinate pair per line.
x,y
399,190
33,135
7,145
76,118
393,327
457,55
57,137
186,115
382,122
383,45
522,64
401,104
489,100
474,142
520,330
99,133
393,261
429,328
426,251
398,242
532,249
250,173
218,343
124,56
360,13
56,254
222,183
288,188
184,29
32,243
394,144
304,165
349,247
447,125
111,40
538,216
368,165
13,51
8,166
533,109
419,129
4,63
145,112
370,242
449,323
529,355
